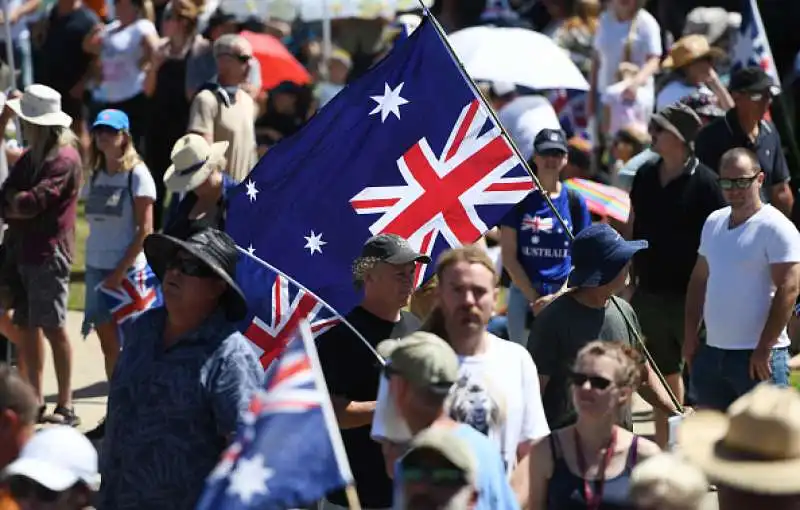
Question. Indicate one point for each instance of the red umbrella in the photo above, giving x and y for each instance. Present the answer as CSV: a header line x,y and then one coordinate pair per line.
x,y
277,63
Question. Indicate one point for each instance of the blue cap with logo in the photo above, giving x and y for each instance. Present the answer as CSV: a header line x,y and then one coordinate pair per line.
x,y
550,140
599,254
115,119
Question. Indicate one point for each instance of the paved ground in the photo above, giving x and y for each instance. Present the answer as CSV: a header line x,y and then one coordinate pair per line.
x,y
90,388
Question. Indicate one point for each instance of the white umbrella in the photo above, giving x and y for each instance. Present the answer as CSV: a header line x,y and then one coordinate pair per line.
x,y
516,55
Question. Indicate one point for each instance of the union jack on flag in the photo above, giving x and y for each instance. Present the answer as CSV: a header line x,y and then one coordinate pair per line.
x,y
752,46
409,148
277,306
537,224
287,452
571,106
140,291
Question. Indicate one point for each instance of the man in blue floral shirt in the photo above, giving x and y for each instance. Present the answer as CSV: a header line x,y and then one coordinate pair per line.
x,y
182,381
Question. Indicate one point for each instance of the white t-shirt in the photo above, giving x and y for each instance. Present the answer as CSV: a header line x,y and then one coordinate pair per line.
x,y
120,57
624,113
676,90
524,117
497,394
109,211
609,42
740,290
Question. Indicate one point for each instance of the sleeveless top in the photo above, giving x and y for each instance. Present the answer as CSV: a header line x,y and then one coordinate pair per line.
x,y
565,489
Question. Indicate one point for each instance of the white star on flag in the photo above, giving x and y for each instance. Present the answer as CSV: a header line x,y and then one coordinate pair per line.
x,y
250,478
314,242
251,250
251,190
389,102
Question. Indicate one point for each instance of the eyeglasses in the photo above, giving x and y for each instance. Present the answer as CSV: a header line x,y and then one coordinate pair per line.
x,y
595,381
434,476
738,183
23,488
191,266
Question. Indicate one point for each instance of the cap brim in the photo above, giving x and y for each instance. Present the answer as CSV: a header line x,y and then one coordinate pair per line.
x,y
548,146
700,439
112,125
404,257
596,276
48,119
53,477
159,250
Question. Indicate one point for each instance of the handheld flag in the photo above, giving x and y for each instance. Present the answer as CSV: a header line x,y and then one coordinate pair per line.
x,y
409,149
287,452
276,307
140,291
752,46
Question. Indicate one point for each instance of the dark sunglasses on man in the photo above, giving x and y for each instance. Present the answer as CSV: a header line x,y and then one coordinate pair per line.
x,y
437,476
737,183
191,266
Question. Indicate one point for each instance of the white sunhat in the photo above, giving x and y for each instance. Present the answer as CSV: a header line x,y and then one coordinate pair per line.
x,y
40,105
57,457
192,160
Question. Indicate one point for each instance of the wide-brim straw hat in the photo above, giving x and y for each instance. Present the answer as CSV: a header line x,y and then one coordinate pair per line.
x,y
193,160
754,447
689,49
40,105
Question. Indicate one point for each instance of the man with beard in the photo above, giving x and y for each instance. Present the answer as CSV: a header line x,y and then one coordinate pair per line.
x,y
498,387
385,272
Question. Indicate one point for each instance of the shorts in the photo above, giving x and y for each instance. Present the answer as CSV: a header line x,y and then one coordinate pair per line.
x,y
661,318
96,310
720,376
43,292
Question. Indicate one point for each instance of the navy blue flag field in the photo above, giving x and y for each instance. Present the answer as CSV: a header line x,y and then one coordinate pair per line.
x,y
407,149
287,452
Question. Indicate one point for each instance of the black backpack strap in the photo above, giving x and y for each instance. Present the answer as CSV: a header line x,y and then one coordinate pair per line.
x,y
575,210
130,185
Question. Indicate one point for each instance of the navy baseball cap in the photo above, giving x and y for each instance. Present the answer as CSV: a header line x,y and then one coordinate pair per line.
x,y
115,119
549,140
599,254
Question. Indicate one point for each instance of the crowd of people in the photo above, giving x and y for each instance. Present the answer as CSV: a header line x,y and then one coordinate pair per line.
x,y
510,375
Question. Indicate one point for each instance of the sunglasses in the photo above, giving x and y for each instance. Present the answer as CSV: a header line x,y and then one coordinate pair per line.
x,y
738,183
241,58
434,476
595,381
22,488
191,266
108,130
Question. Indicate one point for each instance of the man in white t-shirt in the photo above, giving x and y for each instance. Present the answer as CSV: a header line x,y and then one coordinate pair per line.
x,y
743,287
498,388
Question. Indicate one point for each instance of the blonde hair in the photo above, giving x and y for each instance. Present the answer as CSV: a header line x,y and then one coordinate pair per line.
x,y
130,157
587,15
44,141
629,373
471,254
667,482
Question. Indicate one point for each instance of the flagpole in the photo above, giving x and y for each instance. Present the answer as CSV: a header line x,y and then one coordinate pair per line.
x,y
307,337
545,195
295,282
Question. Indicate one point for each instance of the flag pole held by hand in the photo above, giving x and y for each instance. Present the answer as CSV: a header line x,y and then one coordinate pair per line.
x,y
352,497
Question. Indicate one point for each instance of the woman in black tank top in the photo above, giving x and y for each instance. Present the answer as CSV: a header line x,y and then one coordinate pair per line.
x,y
588,465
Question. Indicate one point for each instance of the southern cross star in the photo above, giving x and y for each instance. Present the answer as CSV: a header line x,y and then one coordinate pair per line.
x,y
389,102
314,242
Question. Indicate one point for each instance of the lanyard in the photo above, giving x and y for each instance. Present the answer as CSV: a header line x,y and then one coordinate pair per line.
x,y
593,500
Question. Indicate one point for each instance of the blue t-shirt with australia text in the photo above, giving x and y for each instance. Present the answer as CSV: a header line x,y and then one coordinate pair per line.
x,y
543,248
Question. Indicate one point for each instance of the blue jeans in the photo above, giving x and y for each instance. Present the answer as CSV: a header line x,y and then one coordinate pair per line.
x,y
518,309
96,310
720,376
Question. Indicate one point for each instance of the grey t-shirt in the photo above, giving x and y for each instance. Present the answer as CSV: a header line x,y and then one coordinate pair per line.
x,y
558,333
109,211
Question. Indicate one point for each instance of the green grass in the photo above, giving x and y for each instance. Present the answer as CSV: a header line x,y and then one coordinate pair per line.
x,y
76,286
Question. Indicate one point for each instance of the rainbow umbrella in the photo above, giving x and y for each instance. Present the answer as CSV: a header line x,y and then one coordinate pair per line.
x,y
603,199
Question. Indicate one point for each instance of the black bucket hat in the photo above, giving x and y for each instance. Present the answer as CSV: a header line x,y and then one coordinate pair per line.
x,y
211,246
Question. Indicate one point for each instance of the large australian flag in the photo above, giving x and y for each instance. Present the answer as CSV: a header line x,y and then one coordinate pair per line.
x,y
409,148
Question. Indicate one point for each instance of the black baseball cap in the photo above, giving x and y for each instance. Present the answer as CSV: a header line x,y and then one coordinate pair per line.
x,y
752,80
548,140
392,249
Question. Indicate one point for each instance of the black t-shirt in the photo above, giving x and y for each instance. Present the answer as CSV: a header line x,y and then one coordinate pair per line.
x,y
671,219
352,372
65,62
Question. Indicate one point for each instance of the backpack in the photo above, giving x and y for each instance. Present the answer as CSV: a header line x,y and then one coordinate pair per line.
x,y
575,209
